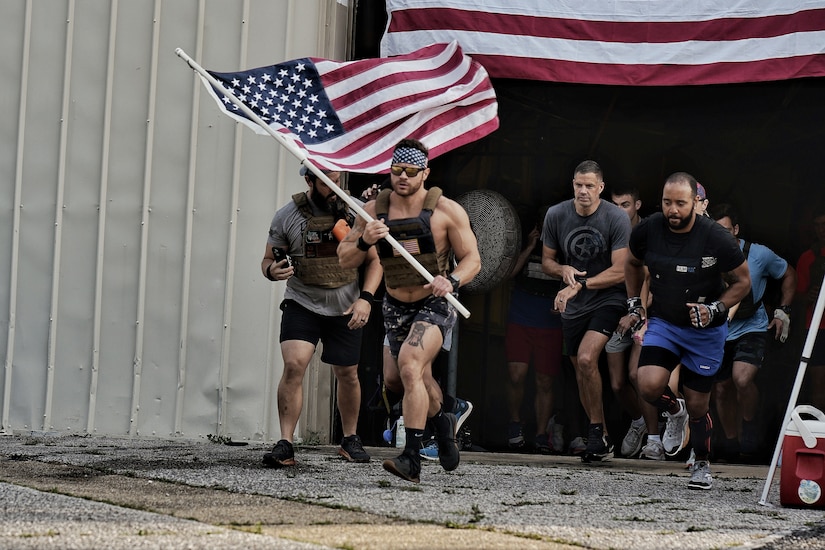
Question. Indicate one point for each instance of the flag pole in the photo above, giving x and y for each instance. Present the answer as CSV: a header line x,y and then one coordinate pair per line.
x,y
292,148
800,375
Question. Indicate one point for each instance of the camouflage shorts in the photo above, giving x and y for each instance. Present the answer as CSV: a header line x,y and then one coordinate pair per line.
x,y
400,316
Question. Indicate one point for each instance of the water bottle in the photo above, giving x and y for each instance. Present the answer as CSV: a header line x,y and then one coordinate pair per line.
x,y
400,433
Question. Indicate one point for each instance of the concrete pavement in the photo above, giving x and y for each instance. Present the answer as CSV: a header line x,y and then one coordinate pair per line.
x,y
101,492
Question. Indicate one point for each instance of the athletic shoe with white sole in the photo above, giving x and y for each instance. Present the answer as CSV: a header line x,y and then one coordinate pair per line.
x,y
599,446
430,450
653,450
515,435
700,477
462,411
632,442
676,431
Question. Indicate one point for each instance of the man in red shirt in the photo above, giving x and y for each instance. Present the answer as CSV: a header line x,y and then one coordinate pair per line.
x,y
810,269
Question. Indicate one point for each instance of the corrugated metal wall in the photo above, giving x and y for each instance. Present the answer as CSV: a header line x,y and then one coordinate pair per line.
x,y
134,217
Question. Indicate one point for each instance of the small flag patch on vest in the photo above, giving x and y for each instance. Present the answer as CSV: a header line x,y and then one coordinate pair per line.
x,y
410,245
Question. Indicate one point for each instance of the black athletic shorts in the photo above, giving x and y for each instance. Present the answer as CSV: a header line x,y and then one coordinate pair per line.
x,y
342,346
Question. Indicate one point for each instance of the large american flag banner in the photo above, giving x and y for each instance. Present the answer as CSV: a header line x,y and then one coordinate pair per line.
x,y
621,42
350,115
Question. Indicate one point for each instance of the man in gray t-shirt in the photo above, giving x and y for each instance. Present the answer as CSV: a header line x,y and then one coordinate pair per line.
x,y
322,302
585,245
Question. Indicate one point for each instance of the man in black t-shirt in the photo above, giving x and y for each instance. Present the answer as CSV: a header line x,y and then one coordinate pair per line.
x,y
686,255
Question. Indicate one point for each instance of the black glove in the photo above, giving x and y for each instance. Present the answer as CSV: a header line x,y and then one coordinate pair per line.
x,y
635,308
717,314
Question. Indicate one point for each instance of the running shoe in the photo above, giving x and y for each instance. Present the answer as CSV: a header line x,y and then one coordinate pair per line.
x,y
700,477
556,435
430,450
462,411
749,442
353,450
676,431
653,450
542,444
578,446
282,454
599,447
448,454
632,442
406,466
515,435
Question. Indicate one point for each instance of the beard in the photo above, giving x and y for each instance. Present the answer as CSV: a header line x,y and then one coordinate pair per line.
x,y
322,202
411,188
677,223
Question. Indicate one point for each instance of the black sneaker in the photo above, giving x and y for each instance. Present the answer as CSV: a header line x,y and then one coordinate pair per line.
x,y
599,446
542,444
353,450
406,466
515,436
282,454
448,454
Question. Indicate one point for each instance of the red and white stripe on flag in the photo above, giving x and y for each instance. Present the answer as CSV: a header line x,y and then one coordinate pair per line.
x,y
621,42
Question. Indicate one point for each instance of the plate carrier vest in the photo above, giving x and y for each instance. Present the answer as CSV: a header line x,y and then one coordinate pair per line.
x,y
415,236
319,264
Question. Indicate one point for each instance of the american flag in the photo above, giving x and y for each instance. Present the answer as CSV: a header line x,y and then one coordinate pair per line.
x,y
622,42
350,115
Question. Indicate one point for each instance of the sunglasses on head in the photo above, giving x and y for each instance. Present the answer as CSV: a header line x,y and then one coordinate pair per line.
x,y
411,171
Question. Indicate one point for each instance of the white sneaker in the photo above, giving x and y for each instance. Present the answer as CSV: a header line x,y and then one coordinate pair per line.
x,y
676,430
701,478
632,442
654,450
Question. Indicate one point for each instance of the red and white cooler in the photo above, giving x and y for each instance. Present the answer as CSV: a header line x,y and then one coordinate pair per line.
x,y
802,482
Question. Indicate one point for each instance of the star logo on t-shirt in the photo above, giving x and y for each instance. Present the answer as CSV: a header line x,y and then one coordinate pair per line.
x,y
584,243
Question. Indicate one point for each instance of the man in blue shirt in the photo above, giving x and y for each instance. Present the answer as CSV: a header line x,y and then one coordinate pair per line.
x,y
736,390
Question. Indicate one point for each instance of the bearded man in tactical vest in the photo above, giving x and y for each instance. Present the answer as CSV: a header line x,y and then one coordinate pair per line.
x,y
418,319
322,301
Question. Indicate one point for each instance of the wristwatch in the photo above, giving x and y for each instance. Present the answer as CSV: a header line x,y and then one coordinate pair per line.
x,y
455,280
786,309
582,281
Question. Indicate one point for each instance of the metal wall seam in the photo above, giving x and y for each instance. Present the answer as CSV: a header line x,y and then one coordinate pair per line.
x,y
58,217
186,279
232,247
273,347
144,224
101,218
5,427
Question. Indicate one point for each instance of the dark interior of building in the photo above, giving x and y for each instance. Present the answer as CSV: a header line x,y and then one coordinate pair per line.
x,y
755,146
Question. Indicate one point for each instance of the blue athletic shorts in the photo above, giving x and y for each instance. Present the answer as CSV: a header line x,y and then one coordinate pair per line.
x,y
699,349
